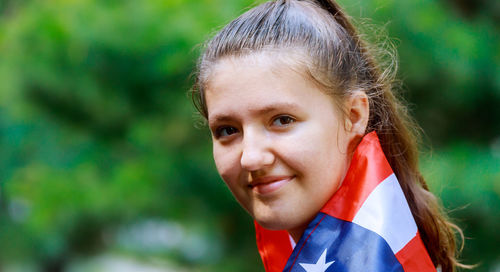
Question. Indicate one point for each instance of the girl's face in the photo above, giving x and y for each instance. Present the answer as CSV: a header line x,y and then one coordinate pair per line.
x,y
279,142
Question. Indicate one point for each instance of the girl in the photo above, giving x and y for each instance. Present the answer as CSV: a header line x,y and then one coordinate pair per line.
x,y
311,141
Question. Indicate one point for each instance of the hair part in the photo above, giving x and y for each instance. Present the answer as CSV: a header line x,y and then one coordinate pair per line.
x,y
335,57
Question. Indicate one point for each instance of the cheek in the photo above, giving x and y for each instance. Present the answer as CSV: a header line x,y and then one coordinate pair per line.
x,y
227,164
317,152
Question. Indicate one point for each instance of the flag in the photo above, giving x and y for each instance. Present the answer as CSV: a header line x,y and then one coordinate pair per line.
x,y
367,225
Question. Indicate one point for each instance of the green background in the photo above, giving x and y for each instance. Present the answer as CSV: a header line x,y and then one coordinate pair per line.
x,y
104,165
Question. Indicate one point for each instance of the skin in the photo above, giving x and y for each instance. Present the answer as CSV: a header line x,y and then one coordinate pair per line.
x,y
279,142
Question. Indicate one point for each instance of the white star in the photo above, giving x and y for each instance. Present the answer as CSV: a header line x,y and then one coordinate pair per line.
x,y
319,266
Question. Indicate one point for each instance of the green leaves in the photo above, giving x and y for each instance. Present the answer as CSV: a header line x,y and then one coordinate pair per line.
x,y
97,131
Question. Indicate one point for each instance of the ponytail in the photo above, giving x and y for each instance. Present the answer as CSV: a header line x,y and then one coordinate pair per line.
x,y
339,60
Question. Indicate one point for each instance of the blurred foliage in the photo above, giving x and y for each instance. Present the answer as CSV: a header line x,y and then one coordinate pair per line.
x,y
467,179
97,130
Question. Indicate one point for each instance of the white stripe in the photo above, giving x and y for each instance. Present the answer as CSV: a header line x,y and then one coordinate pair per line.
x,y
386,213
292,242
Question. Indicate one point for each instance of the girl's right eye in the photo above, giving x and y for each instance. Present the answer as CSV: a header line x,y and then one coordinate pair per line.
x,y
225,131
283,120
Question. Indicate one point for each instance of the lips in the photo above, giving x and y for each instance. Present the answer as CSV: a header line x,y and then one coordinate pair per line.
x,y
269,184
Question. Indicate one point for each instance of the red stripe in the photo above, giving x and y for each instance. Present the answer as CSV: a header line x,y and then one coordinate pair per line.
x,y
414,258
369,168
274,248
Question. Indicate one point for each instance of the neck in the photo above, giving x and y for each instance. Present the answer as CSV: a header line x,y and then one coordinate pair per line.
x,y
296,233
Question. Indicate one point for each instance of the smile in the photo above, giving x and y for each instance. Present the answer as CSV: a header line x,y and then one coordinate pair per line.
x,y
268,185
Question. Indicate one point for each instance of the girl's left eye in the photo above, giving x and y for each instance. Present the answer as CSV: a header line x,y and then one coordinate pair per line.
x,y
283,120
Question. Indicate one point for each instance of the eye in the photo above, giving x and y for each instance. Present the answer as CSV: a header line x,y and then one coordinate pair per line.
x,y
225,131
283,120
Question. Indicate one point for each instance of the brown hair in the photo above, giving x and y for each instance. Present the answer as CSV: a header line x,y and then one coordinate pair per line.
x,y
340,62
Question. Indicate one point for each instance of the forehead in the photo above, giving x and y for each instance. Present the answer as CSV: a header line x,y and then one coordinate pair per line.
x,y
247,74
274,61
277,61
257,83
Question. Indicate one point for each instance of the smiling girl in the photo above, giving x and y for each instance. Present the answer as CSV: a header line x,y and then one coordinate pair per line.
x,y
313,144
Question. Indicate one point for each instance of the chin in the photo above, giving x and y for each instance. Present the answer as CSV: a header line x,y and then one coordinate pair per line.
x,y
273,222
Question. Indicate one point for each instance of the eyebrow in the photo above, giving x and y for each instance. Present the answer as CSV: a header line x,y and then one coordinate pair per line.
x,y
260,110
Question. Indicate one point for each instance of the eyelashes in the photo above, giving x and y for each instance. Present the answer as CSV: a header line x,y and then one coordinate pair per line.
x,y
225,131
283,120
278,122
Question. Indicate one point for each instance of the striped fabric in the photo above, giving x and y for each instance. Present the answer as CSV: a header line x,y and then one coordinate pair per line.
x,y
367,225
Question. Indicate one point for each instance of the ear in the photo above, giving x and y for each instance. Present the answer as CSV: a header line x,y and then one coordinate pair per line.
x,y
358,112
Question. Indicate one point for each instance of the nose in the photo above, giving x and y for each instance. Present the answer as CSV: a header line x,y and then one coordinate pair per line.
x,y
256,152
